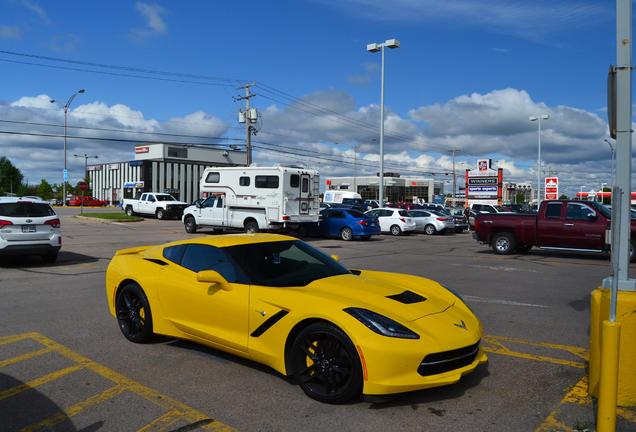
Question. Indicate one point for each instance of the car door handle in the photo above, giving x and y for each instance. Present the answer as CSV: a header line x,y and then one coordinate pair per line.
x,y
568,225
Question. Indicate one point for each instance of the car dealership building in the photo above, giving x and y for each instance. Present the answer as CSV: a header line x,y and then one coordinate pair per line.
x,y
169,168
397,188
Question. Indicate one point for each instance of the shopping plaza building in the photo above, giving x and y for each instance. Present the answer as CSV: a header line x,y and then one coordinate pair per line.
x,y
169,168
396,188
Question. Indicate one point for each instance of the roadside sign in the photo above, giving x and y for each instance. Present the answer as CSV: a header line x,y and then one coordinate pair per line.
x,y
65,175
82,185
551,188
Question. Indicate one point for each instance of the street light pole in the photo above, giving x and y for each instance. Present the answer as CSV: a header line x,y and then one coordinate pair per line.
x,y
613,161
602,198
538,120
375,47
66,107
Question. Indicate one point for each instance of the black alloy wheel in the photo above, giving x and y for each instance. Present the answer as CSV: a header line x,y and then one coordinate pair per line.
x,y
133,313
326,364
190,224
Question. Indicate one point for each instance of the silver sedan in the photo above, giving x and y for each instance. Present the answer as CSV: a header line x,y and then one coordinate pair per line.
x,y
431,222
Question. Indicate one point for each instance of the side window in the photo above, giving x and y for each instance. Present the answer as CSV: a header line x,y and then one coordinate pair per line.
x,y
244,181
143,197
305,187
425,214
174,253
489,209
553,210
387,213
266,182
294,180
219,202
198,257
151,198
372,213
338,215
209,202
213,177
579,212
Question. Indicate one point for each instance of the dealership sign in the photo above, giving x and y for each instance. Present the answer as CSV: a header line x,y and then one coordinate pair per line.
x,y
142,149
551,188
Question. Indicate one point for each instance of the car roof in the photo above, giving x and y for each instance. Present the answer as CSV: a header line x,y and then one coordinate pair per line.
x,y
16,199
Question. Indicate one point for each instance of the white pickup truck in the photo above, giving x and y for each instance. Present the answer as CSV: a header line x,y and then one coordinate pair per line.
x,y
160,205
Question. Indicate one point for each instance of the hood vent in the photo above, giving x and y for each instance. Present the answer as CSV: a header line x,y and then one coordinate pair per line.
x,y
407,297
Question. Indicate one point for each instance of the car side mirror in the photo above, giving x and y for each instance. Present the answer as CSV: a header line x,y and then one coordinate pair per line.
x,y
335,258
591,216
213,277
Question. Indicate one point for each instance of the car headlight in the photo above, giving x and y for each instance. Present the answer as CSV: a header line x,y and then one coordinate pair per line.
x,y
380,324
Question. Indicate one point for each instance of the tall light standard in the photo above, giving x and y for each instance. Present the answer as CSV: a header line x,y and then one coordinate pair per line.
x,y
538,120
581,193
602,198
375,47
66,107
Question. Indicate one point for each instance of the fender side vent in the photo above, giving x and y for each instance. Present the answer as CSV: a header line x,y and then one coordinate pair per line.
x,y
156,261
407,297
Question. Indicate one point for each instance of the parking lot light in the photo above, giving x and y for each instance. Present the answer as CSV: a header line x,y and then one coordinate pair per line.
x,y
538,119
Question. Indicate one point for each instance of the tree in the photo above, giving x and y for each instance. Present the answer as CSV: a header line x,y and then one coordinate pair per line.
x,y
10,176
520,197
45,190
564,197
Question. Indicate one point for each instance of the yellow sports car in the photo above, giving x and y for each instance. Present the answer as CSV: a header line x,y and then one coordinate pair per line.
x,y
278,301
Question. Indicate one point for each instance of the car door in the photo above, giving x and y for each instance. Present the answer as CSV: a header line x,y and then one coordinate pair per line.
x,y
206,212
139,206
420,217
199,308
217,212
550,226
582,228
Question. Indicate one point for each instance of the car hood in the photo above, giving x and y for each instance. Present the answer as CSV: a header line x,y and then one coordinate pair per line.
x,y
177,203
412,297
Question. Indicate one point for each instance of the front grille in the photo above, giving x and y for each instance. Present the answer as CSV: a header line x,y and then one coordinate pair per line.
x,y
441,362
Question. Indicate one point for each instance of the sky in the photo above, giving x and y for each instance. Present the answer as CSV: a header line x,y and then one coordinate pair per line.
x,y
467,76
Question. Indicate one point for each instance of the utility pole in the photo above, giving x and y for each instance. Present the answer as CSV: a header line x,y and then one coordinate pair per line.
x,y
355,166
248,119
453,151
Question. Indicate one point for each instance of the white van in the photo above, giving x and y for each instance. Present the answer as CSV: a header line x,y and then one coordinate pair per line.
x,y
255,199
343,197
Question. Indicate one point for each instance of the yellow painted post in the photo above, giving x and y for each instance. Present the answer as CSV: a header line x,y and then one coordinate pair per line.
x,y
608,386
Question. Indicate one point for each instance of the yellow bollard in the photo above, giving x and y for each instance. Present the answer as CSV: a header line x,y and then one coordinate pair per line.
x,y
608,382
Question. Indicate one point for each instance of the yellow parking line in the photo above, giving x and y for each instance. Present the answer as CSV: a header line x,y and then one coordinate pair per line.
x,y
627,414
574,393
174,408
14,338
39,381
161,423
75,409
575,350
24,357
497,347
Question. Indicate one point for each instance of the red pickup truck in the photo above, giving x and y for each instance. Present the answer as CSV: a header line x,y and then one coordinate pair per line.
x,y
88,201
577,225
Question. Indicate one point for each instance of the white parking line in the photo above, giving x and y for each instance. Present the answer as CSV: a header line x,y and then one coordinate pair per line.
x,y
500,301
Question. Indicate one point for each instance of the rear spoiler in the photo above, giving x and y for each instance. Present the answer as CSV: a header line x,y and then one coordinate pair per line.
x,y
131,251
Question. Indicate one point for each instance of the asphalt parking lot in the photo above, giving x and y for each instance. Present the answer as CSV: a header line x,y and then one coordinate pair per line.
x,y
64,364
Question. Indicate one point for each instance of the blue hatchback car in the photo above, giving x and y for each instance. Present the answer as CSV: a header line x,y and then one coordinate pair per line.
x,y
347,224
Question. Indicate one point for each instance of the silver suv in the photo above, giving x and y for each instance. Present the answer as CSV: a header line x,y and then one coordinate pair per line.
x,y
29,227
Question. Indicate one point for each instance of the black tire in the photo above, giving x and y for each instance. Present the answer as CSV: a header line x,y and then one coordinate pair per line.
x,y
503,243
395,230
190,224
325,364
430,229
50,257
161,214
129,211
632,255
133,313
251,227
346,234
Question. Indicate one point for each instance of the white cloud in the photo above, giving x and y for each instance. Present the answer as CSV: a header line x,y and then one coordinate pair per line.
x,y
42,157
36,9
154,23
531,20
10,32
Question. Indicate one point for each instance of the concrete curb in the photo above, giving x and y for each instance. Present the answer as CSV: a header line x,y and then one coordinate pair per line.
x,y
106,221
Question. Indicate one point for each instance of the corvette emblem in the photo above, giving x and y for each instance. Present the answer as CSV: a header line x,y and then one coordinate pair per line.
x,y
461,325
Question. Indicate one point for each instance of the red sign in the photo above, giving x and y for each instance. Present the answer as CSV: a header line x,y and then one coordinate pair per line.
x,y
328,182
144,149
82,185
551,188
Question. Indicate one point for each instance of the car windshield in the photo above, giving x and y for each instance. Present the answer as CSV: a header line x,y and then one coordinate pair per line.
x,y
353,201
25,209
165,198
284,263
